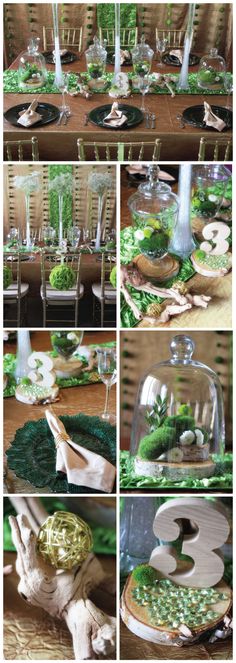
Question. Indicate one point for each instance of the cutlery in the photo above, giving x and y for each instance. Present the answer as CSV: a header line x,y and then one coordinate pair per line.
x,y
60,118
86,119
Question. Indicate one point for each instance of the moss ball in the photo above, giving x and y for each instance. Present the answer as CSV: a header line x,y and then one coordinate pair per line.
x,y
62,277
185,410
113,276
153,445
7,277
144,574
180,423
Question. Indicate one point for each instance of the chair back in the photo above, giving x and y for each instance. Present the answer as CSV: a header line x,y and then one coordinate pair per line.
x,y
69,37
49,260
20,148
175,37
128,37
99,151
106,268
220,149
13,261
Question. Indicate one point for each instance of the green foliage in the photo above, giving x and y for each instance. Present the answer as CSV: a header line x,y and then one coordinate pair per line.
x,y
106,15
180,423
155,245
62,277
144,574
67,208
113,276
153,445
200,255
156,416
7,277
185,410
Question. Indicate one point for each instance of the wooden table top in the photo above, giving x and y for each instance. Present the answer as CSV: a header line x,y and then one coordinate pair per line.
x,y
177,143
218,315
88,399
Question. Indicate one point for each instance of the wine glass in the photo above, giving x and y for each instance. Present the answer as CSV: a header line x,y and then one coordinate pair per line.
x,y
63,86
107,371
228,85
74,236
161,45
66,342
143,84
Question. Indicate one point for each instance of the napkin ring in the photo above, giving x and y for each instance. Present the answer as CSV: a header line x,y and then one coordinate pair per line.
x,y
61,437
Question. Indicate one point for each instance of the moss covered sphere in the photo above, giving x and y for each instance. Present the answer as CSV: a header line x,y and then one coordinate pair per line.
x,y
153,445
113,276
62,277
180,423
7,277
144,574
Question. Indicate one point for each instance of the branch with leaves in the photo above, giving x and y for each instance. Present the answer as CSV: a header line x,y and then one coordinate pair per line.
x,y
156,416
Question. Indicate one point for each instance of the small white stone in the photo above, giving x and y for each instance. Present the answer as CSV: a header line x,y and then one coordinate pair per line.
x,y
175,455
187,438
212,198
199,437
139,234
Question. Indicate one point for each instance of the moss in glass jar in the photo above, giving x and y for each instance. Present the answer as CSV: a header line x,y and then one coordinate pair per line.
x,y
31,74
63,343
180,423
210,77
155,444
154,246
141,68
95,69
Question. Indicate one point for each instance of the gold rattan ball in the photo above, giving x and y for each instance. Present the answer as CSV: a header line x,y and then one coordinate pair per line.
x,y
154,310
64,540
180,287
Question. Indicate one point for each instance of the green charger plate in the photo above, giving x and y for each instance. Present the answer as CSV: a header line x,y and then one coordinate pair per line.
x,y
32,455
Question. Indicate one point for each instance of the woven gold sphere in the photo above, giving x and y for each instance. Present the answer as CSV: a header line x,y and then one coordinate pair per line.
x,y
180,287
154,310
64,540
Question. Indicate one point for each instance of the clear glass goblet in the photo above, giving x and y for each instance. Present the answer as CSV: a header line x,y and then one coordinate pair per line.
x,y
66,342
63,86
143,85
228,86
107,371
161,46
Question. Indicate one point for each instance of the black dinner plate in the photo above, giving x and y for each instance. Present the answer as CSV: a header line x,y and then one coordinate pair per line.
x,y
134,116
194,115
172,60
111,60
65,59
49,114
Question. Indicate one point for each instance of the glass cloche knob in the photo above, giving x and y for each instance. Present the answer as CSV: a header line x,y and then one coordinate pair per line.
x,y
182,348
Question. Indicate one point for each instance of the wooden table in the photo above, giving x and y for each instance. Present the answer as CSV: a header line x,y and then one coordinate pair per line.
x,y
88,399
218,315
59,142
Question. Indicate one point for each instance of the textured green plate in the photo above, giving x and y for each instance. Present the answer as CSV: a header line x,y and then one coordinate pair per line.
x,y
32,455
134,116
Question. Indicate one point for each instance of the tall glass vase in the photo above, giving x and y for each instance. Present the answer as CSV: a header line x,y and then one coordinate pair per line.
x,y
137,539
60,222
27,211
99,223
23,353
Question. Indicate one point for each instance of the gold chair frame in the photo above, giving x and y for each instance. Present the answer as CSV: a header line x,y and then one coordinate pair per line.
x,y
175,37
128,37
121,149
106,267
16,271
68,36
217,144
47,264
9,146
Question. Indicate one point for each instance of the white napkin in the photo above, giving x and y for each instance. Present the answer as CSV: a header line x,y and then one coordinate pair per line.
x,y
29,116
124,55
62,52
82,467
177,54
115,118
211,119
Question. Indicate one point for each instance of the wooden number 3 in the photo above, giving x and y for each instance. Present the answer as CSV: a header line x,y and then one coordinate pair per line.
x,y
217,232
43,373
212,531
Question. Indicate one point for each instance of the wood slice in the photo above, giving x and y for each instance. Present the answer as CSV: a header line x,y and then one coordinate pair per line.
x,y
67,368
195,453
163,270
205,270
24,394
137,620
155,468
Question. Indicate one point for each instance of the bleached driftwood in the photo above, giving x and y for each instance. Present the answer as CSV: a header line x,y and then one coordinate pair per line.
x,y
65,594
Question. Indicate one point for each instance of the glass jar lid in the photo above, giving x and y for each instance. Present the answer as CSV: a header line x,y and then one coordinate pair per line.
x,y
96,51
142,51
153,193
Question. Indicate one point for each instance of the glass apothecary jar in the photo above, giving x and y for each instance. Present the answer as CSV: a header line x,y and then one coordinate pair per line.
x,y
49,235
32,72
142,55
154,210
178,422
211,71
96,57
209,190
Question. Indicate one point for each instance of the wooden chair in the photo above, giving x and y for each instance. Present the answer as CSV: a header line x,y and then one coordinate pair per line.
x,y
12,146
119,151
103,292
175,37
128,37
59,299
222,149
16,293
68,37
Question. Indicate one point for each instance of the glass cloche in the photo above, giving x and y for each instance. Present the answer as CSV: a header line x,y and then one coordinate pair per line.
x,y
209,187
142,55
32,72
178,422
211,71
96,57
154,210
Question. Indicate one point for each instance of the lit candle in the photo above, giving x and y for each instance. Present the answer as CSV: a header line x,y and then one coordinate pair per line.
x,y
183,77
117,39
182,243
58,68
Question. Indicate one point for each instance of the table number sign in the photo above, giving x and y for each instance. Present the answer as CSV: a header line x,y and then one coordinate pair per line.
x,y
217,232
213,257
40,384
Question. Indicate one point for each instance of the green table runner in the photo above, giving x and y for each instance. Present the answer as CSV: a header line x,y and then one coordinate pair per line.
x,y
10,84
222,479
88,377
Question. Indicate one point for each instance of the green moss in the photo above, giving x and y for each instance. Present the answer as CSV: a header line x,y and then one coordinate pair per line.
x,y
185,410
62,277
153,445
200,255
180,423
144,574
156,245
7,277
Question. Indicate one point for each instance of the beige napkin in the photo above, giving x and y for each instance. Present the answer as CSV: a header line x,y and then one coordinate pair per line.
x,y
177,54
62,52
82,467
115,118
29,116
211,119
124,55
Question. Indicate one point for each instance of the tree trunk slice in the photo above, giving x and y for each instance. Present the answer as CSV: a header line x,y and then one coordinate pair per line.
x,y
205,270
165,269
195,453
136,618
154,468
67,369
35,394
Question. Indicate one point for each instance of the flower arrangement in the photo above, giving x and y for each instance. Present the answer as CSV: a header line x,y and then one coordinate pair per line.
x,y
7,277
100,182
28,183
62,184
62,277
